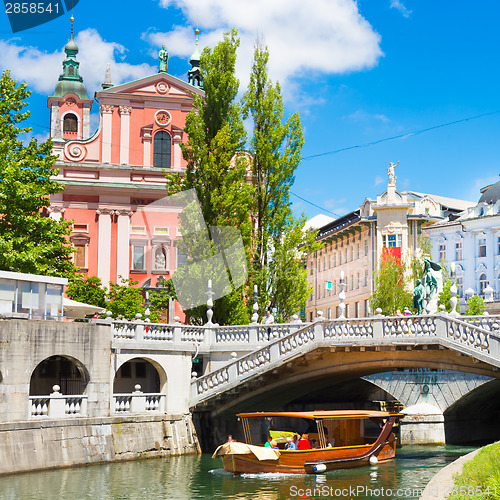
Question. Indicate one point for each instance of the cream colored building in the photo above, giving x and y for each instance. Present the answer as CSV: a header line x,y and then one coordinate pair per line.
x,y
354,243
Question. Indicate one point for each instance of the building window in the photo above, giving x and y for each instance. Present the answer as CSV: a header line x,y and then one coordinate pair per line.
x,y
162,149
442,253
366,277
334,259
346,254
352,252
460,286
392,240
352,281
483,283
79,256
366,248
482,247
70,123
138,258
340,258
357,251
498,245
181,258
358,281
367,308
311,268
458,250
329,262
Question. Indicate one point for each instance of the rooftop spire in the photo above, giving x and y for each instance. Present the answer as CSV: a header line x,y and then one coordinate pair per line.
x,y
70,79
194,74
107,78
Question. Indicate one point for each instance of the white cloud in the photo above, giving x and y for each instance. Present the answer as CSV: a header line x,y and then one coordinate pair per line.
x,y
40,69
360,115
330,36
378,180
397,4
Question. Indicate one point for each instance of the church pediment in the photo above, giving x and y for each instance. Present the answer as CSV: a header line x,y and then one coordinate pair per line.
x,y
158,85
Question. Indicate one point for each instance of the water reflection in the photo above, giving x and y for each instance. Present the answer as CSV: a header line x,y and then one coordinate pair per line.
x,y
200,477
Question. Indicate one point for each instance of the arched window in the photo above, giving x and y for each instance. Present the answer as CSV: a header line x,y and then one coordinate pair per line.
x,y
161,151
70,123
483,283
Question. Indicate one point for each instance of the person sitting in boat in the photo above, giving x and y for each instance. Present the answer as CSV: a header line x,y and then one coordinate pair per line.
x,y
304,443
230,439
274,445
290,445
268,444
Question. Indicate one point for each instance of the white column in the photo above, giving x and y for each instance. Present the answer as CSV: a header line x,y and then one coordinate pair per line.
x,y
124,133
107,121
56,212
490,257
177,153
104,245
86,122
146,141
55,122
122,243
469,255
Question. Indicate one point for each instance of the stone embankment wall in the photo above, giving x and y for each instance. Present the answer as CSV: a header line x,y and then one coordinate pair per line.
x,y
36,445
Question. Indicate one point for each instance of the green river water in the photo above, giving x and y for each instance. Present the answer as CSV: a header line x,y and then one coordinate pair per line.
x,y
202,478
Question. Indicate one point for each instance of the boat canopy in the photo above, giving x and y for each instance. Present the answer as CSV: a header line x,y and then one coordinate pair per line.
x,y
315,415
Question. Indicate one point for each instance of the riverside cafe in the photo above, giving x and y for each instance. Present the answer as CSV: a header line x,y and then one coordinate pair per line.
x,y
31,296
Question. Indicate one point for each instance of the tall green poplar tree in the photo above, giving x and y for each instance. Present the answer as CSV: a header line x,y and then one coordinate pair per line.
x,y
276,152
30,241
215,136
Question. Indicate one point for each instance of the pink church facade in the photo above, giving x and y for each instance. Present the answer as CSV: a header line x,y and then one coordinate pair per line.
x,y
114,181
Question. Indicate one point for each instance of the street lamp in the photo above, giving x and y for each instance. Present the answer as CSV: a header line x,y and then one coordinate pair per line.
x,y
160,288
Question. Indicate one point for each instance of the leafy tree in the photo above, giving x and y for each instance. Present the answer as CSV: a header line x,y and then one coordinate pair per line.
x,y
417,263
214,170
445,296
30,241
275,150
124,300
475,306
87,289
390,290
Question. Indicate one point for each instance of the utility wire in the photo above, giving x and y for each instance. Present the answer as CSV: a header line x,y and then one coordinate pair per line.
x,y
408,134
314,205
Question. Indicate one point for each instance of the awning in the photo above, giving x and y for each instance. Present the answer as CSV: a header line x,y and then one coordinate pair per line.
x,y
75,309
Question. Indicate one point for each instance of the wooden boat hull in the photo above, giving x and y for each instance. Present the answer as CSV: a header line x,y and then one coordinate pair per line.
x,y
302,462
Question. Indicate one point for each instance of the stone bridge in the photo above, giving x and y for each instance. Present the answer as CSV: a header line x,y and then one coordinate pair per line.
x,y
295,362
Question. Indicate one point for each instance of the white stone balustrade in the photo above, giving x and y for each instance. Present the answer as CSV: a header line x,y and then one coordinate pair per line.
x,y
480,341
139,402
58,405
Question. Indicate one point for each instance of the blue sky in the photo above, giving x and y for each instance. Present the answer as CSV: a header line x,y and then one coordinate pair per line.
x,y
357,73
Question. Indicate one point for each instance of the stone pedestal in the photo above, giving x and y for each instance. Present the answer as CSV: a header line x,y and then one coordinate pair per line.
x,y
423,424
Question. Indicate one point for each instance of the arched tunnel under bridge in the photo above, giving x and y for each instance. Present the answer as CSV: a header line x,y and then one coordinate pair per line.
x,y
468,398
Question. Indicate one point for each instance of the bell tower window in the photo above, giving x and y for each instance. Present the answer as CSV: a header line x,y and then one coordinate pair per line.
x,y
162,150
70,123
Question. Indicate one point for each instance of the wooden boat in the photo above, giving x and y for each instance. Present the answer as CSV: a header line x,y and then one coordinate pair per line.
x,y
348,431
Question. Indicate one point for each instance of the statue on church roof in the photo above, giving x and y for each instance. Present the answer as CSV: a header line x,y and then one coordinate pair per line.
x,y
390,171
163,55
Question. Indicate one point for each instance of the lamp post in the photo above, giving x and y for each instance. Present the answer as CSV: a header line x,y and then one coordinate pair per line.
x,y
159,288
